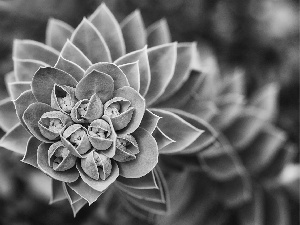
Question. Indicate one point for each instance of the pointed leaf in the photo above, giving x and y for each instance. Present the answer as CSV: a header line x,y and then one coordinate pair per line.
x,y
144,182
162,60
24,69
133,30
262,149
17,88
44,80
229,108
95,82
182,132
187,90
31,117
22,103
265,100
29,49
70,175
206,139
137,102
78,205
206,110
88,39
289,180
253,211
233,84
145,160
85,191
100,185
161,138
8,116
112,70
57,33
57,191
245,127
109,28
15,139
71,195
149,121
182,69
30,156
158,33
132,72
142,57
69,67
72,53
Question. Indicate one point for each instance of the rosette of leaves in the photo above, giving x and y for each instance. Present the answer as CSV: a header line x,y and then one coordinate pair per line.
x,y
250,156
87,107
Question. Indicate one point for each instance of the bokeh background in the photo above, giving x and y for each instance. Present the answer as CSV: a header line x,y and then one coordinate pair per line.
x,y
259,36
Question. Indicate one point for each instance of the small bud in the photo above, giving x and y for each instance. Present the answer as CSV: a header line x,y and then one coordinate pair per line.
x,y
63,98
60,158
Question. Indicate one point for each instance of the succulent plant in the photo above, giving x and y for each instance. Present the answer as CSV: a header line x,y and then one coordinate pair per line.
x,y
90,108
244,170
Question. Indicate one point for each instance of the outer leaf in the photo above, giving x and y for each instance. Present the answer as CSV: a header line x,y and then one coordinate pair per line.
x,y
133,30
142,57
253,211
206,110
88,39
100,185
242,131
71,195
95,82
187,90
31,117
78,205
57,191
8,117
233,84
29,49
149,121
17,88
109,28
262,149
57,33
72,53
265,100
24,69
137,102
85,191
69,67
162,60
182,69
145,160
145,182
158,33
21,104
205,140
161,138
70,175
112,70
131,70
229,108
289,180
15,139
30,156
44,80
181,131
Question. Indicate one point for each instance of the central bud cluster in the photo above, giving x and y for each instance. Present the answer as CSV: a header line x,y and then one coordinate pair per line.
x,y
85,132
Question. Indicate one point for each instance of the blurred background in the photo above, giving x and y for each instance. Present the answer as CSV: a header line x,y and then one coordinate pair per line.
x,y
260,36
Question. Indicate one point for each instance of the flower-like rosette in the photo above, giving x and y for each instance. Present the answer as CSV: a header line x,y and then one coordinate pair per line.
x,y
53,123
96,165
87,110
120,112
63,98
60,158
75,138
102,136
126,148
